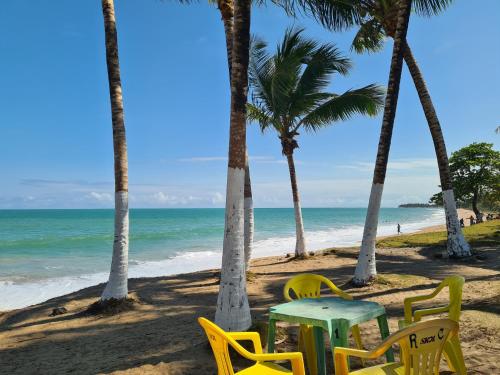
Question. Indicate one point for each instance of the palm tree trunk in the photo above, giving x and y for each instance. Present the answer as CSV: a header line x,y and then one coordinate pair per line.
x,y
300,243
233,310
475,199
249,220
366,268
227,13
116,287
457,246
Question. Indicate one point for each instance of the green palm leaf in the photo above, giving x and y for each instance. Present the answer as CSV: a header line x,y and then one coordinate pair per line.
x,y
366,101
369,38
338,14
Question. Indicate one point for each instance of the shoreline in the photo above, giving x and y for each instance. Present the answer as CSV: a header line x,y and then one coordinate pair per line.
x,y
50,288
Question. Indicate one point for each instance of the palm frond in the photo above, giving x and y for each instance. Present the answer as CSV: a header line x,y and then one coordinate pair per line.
x,y
367,100
257,113
323,62
260,71
369,38
291,56
429,8
335,15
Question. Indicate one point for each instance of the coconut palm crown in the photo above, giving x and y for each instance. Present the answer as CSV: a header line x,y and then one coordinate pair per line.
x,y
378,20
288,88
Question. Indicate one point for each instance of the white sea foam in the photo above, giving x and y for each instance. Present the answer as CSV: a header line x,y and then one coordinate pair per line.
x,y
15,294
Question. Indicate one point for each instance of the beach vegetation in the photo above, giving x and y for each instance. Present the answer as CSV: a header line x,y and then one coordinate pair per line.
x,y
483,234
289,94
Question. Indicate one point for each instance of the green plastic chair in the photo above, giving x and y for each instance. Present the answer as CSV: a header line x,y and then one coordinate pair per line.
x,y
452,348
308,285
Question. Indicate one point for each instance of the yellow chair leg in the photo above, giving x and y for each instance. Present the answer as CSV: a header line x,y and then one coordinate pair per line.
x,y
307,345
454,356
357,338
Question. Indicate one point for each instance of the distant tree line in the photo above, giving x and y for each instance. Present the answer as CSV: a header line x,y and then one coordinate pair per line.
x,y
475,171
417,205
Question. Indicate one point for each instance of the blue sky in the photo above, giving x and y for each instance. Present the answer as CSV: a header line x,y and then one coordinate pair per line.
x,y
55,126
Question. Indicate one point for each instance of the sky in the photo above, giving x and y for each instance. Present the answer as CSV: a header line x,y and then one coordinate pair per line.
x,y
55,122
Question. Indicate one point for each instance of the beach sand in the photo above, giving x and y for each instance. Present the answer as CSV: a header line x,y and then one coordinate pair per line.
x,y
161,336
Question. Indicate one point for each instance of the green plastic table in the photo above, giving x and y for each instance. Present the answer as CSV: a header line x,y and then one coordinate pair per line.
x,y
332,314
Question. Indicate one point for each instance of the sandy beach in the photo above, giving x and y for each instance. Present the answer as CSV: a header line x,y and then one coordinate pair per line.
x,y
161,336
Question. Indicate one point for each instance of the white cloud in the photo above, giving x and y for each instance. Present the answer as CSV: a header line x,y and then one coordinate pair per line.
x,y
394,165
203,159
346,192
253,158
169,200
218,198
161,197
100,197
408,180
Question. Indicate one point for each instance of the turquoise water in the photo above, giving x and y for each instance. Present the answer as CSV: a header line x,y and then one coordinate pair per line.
x,y
63,250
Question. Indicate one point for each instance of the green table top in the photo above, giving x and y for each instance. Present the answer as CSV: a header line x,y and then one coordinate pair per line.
x,y
318,311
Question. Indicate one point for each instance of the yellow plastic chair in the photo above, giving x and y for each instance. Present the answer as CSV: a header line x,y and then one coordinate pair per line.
x,y
308,285
452,349
219,341
421,348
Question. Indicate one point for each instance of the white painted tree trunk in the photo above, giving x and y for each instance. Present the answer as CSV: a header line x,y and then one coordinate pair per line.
x,y
249,229
233,310
300,243
117,287
366,269
249,220
457,246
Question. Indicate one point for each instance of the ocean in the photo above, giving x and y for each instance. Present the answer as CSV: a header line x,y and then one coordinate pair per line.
x,y
48,253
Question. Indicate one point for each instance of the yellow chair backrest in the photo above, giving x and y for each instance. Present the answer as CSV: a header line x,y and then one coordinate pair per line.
x,y
421,347
455,285
308,285
219,341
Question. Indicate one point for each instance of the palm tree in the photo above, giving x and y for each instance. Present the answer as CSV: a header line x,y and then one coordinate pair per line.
x,y
378,23
116,287
366,267
233,310
226,10
287,96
